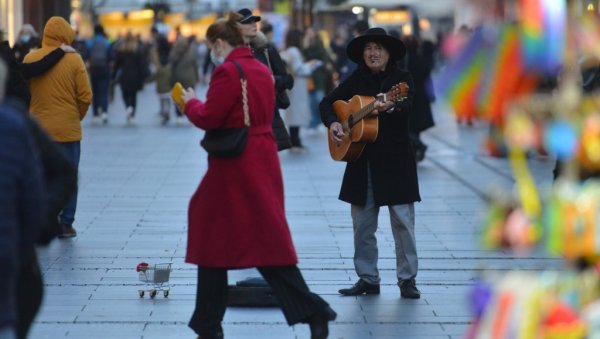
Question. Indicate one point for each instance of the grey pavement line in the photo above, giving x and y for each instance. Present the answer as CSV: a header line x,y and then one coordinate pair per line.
x,y
475,156
482,195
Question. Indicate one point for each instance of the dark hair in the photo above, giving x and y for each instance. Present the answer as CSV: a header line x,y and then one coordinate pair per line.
x,y
360,27
98,29
293,38
226,29
266,27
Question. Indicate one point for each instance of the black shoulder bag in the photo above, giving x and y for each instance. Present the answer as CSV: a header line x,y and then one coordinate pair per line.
x,y
230,142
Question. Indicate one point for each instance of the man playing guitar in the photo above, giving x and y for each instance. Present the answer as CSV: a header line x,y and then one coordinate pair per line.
x,y
383,172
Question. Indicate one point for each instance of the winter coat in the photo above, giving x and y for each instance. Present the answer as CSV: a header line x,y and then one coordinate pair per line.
x,y
130,70
22,207
266,53
16,85
420,65
162,76
298,114
60,97
390,159
183,59
236,216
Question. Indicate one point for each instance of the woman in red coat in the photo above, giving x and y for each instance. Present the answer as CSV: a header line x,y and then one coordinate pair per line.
x,y
236,216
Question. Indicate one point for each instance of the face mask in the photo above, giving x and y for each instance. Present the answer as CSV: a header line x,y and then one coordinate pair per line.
x,y
25,38
217,60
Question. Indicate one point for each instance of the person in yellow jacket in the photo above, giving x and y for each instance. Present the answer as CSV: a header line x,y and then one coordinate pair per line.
x,y
60,99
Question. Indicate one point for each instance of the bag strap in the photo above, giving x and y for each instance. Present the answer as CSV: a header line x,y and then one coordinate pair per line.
x,y
266,52
244,92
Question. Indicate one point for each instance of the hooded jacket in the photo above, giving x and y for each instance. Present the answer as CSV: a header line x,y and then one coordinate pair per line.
x,y
60,97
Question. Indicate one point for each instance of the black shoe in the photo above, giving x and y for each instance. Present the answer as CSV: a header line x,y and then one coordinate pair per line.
x,y
408,289
319,323
361,287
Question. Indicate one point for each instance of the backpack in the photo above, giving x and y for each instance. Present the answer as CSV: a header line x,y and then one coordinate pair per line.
x,y
99,53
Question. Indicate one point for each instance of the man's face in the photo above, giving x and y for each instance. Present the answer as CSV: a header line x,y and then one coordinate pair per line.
x,y
375,56
249,30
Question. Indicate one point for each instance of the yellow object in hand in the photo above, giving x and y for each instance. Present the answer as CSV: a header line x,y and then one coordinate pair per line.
x,y
177,96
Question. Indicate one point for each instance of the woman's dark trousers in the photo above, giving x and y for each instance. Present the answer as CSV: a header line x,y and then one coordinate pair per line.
x,y
296,300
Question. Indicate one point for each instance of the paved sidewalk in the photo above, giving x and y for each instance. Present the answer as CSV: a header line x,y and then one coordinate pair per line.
x,y
135,184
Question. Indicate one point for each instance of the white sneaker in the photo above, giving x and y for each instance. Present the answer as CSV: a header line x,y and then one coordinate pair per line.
x,y
179,121
104,118
129,114
95,120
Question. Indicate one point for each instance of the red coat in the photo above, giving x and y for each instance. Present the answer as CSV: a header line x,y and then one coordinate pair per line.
x,y
236,216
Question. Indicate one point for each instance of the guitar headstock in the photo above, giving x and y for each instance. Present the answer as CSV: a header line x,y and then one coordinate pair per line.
x,y
398,92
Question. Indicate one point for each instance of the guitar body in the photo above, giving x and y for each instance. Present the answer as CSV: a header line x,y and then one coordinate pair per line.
x,y
357,133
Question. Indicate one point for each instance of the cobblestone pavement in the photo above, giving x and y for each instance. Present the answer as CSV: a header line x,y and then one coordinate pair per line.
x,y
135,184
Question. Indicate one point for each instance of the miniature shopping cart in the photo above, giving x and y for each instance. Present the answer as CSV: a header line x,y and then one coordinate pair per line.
x,y
157,276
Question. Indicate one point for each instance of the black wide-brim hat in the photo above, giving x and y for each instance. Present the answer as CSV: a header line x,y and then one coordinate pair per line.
x,y
247,16
395,47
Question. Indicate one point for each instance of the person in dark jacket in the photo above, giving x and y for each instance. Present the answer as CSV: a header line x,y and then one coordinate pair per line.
x,y
22,209
17,71
27,40
385,174
98,58
130,73
419,62
60,178
266,53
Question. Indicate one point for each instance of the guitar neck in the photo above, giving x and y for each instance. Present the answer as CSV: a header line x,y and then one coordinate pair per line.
x,y
364,111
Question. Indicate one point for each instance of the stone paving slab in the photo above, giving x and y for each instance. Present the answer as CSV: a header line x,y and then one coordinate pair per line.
x,y
135,185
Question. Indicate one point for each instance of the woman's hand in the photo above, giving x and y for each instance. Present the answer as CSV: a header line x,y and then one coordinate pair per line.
x,y
336,131
67,48
188,94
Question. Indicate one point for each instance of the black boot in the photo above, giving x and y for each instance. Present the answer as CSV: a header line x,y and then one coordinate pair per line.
x,y
361,287
408,289
319,323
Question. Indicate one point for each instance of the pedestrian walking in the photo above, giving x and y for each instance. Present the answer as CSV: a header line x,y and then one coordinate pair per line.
x,y
98,55
60,100
59,176
16,88
236,216
385,173
184,65
22,209
27,40
320,78
419,61
265,52
298,114
129,72
159,55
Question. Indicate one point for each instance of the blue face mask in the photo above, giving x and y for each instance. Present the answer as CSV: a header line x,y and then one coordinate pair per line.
x,y
25,38
217,60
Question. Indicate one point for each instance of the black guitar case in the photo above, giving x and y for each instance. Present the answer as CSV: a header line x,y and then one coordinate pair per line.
x,y
251,292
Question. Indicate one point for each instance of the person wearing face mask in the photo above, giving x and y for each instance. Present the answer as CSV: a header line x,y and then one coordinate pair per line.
x,y
236,216
26,41
385,173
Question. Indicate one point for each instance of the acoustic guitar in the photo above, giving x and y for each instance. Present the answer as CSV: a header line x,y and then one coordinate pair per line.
x,y
359,126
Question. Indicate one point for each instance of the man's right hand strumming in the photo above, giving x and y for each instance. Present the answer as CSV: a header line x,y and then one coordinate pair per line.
x,y
336,131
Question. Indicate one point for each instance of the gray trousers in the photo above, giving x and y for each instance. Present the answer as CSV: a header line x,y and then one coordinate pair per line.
x,y
364,220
